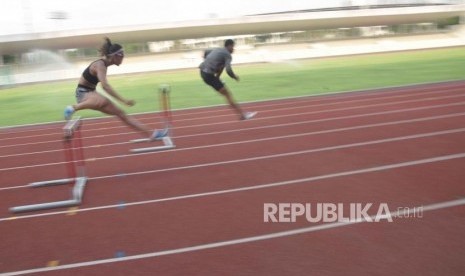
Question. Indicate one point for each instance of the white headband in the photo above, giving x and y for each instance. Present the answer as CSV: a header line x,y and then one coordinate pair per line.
x,y
118,53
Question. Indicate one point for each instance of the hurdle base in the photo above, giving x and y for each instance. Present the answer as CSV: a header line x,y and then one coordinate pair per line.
x,y
76,199
50,183
44,206
167,144
144,140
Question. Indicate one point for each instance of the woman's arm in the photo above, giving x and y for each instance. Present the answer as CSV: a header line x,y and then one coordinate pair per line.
x,y
102,76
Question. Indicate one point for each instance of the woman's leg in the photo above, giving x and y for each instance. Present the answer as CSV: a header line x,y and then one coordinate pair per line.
x,y
98,102
91,100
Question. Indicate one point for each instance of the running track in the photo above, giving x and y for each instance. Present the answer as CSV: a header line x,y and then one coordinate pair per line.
x,y
198,209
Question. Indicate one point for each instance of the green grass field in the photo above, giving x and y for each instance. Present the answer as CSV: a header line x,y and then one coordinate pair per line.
x,y
45,102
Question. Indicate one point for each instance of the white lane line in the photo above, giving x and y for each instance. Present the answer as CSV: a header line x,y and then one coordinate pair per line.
x,y
325,111
338,147
295,105
295,114
225,243
258,187
276,126
450,85
243,142
450,115
235,121
261,127
14,187
264,111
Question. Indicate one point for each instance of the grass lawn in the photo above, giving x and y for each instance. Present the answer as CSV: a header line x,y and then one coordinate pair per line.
x,y
45,102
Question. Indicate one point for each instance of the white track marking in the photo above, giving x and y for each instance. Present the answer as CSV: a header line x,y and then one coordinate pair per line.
x,y
303,134
455,84
262,186
211,146
451,115
272,110
273,126
296,114
338,147
228,122
331,148
282,234
14,187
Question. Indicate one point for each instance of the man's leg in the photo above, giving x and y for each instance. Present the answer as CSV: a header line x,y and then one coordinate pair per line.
x,y
225,92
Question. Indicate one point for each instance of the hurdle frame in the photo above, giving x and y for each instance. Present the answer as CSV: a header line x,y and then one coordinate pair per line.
x,y
72,144
165,105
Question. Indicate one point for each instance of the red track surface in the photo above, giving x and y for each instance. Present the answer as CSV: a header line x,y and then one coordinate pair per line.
x,y
198,209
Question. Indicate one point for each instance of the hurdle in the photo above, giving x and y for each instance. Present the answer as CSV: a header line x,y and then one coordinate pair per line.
x,y
75,164
165,107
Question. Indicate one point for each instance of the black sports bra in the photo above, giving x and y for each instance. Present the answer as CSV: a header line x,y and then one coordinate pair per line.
x,y
88,76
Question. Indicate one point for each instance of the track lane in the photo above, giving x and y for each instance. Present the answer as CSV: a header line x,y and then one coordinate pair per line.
x,y
398,187
197,221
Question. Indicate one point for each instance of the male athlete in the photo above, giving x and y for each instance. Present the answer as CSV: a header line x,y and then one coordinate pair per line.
x,y
211,68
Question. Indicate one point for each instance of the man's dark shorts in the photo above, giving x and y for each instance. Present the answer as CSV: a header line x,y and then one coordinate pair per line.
x,y
212,80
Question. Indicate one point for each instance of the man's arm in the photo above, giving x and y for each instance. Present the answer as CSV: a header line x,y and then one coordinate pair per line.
x,y
218,74
206,53
229,68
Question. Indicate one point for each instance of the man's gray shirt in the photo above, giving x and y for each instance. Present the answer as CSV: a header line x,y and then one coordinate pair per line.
x,y
216,60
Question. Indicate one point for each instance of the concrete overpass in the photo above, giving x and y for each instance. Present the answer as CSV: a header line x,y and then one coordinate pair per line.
x,y
282,22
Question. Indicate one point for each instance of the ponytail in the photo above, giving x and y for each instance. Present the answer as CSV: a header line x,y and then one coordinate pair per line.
x,y
108,48
105,49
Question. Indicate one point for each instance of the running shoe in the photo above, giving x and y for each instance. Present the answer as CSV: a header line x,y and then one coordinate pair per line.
x,y
159,134
248,115
69,110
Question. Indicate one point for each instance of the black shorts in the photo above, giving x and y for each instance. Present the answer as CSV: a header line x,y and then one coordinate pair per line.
x,y
81,92
212,80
